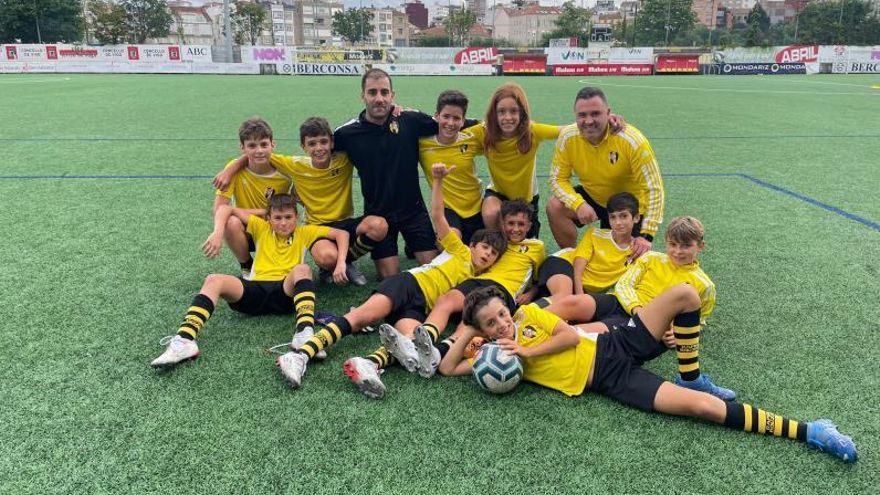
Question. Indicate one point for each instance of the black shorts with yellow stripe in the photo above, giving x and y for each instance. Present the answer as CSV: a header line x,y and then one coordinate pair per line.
x,y
552,266
263,298
407,298
618,372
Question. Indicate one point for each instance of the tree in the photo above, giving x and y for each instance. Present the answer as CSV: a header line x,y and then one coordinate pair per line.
x,y
758,27
519,3
41,21
111,22
247,22
353,25
574,21
662,21
458,25
147,19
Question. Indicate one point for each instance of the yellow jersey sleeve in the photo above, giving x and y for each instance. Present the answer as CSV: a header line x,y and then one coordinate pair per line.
x,y
517,267
566,371
650,183
561,168
450,268
326,193
584,248
230,191
625,289
251,190
282,163
544,132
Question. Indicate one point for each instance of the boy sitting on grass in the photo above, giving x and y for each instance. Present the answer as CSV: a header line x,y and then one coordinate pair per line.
x,y
559,356
323,185
281,282
403,299
600,258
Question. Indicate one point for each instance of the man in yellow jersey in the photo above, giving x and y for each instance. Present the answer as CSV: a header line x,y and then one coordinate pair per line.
x,y
280,282
248,188
403,299
561,357
323,184
456,148
600,257
646,279
605,164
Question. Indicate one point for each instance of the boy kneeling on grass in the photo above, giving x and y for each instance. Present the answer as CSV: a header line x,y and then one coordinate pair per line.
x,y
565,358
281,282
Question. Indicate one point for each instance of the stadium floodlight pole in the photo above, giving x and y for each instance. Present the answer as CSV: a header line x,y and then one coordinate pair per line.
x,y
37,21
227,26
667,26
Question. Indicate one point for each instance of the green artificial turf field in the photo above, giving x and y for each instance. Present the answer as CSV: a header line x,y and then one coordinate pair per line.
x,y
105,190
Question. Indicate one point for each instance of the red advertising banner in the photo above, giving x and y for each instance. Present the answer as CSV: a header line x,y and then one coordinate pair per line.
x,y
798,53
525,64
603,70
477,55
678,64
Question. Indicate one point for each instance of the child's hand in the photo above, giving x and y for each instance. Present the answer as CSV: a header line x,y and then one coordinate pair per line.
x,y
222,179
440,170
473,346
669,338
512,347
339,276
639,246
212,245
617,123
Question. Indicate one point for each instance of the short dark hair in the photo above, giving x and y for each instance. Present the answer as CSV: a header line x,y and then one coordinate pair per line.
x,y
452,97
475,301
281,201
314,127
375,74
494,238
254,128
590,92
623,201
515,207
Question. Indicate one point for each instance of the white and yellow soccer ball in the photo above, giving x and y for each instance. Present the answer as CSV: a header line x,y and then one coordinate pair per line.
x,y
496,370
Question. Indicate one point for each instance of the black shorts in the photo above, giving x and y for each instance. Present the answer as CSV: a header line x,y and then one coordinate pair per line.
x,y
467,226
263,298
251,246
553,265
608,310
407,298
536,222
601,212
418,233
618,372
473,284
349,225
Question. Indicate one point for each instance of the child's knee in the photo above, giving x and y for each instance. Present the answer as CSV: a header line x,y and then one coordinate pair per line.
x,y
302,271
687,294
234,223
326,256
375,227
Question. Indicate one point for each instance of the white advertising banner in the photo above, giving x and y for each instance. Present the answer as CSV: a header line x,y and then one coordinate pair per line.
x,y
265,54
23,53
106,54
219,68
26,67
566,55
793,54
437,69
851,59
327,69
598,52
443,55
637,55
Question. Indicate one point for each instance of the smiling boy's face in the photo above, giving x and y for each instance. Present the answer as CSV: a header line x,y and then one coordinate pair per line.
x,y
318,148
495,321
258,151
516,226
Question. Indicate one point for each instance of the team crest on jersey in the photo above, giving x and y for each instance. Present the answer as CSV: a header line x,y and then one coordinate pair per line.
x,y
270,192
529,332
613,156
335,172
394,127
523,249
463,148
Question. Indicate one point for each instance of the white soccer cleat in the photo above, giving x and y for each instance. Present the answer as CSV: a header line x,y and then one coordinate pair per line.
x,y
179,349
365,376
428,355
293,367
399,346
300,338
354,275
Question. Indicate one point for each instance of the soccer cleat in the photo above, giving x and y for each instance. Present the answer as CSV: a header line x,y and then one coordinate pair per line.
x,y
179,349
293,367
704,384
300,338
823,435
399,346
428,355
325,276
354,275
365,376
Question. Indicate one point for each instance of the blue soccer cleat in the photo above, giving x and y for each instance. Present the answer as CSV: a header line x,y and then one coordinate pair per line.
x,y
704,384
823,435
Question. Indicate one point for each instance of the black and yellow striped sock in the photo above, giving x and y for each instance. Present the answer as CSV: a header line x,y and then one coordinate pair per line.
x,y
327,336
752,419
362,245
382,358
196,316
432,330
444,346
304,302
543,302
686,327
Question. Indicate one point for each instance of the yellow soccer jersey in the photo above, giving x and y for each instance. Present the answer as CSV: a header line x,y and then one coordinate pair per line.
x,y
450,268
250,190
517,266
462,191
565,371
621,162
653,273
276,256
566,254
514,174
325,193
606,261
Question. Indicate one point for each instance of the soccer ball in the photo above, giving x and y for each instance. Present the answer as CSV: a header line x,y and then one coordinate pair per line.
x,y
496,370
